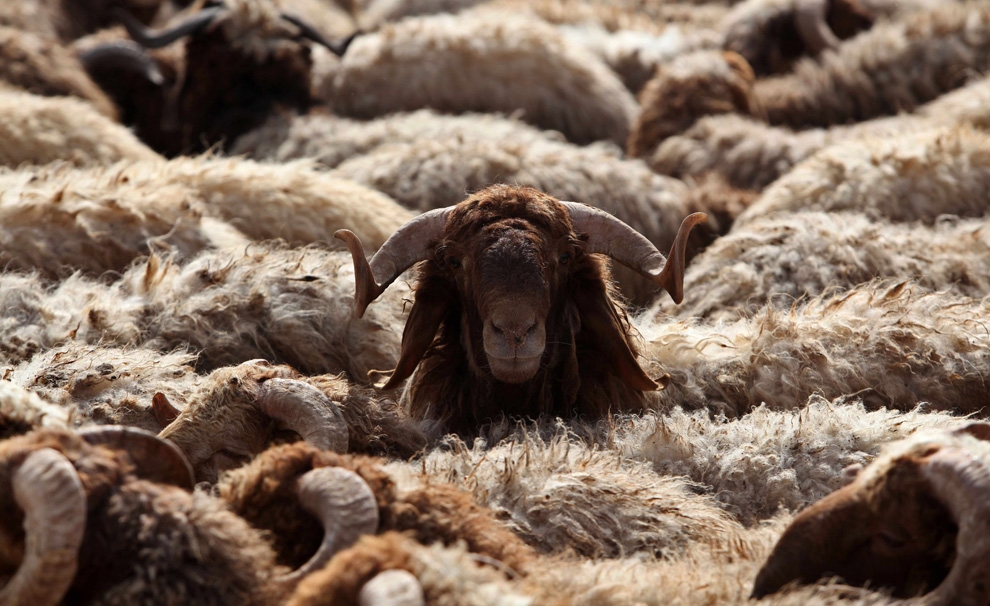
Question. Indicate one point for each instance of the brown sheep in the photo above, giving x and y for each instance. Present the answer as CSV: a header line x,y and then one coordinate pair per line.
x,y
914,522
239,410
242,59
514,313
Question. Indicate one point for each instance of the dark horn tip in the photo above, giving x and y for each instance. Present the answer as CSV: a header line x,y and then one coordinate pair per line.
x,y
366,289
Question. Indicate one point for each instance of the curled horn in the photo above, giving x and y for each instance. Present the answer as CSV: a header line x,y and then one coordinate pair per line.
x,y
396,587
612,237
310,33
406,247
157,39
155,458
47,489
962,484
305,410
809,19
122,55
345,506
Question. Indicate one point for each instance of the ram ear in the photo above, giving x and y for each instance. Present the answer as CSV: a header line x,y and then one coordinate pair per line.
x,y
601,320
164,411
434,299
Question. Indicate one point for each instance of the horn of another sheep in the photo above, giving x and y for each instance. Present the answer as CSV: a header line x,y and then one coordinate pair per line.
x,y
610,236
310,33
962,484
47,489
157,39
155,458
809,18
395,587
403,249
305,410
122,55
345,506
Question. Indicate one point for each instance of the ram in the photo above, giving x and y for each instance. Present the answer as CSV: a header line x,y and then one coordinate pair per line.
x,y
237,411
521,306
242,60
481,61
912,523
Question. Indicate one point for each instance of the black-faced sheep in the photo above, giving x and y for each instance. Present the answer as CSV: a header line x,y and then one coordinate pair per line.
x,y
237,411
914,522
472,62
242,60
520,306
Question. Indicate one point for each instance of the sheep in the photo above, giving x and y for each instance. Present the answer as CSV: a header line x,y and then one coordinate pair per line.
x,y
474,61
262,493
893,345
85,511
751,154
772,34
38,66
39,130
913,523
522,311
101,219
236,412
892,68
791,256
242,59
915,177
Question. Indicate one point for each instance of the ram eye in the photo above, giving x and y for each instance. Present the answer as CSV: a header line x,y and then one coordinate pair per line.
x,y
564,258
453,262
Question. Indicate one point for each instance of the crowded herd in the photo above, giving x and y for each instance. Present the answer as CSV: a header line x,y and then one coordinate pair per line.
x,y
494,302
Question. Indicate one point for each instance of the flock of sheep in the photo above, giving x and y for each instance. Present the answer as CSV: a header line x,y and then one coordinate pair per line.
x,y
197,396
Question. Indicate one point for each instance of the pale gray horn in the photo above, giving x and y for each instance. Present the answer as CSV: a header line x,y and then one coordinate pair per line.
x,y
610,236
305,410
346,508
409,245
47,489
396,587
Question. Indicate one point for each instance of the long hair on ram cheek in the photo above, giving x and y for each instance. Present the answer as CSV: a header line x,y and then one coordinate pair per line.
x,y
588,366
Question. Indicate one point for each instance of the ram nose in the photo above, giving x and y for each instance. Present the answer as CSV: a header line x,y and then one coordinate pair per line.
x,y
514,329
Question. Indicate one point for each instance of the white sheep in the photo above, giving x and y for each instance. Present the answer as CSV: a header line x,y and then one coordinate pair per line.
x,y
473,62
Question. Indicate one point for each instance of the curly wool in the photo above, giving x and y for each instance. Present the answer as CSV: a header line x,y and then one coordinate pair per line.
x,y
22,410
892,346
474,62
786,257
915,177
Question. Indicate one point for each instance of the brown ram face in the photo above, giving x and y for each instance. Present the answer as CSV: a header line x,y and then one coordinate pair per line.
x,y
888,532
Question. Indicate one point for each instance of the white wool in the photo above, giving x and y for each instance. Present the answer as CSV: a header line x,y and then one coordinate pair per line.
x,y
19,406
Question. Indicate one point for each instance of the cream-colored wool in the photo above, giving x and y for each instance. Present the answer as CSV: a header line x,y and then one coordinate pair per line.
x,y
39,130
109,385
915,177
22,410
266,301
891,345
768,460
785,257
561,495
481,61
57,219
752,154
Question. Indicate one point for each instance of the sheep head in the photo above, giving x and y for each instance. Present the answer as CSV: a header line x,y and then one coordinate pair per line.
x,y
512,271
914,522
236,413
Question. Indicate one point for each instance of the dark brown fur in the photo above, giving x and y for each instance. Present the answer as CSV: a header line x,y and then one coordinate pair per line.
x,y
144,542
589,364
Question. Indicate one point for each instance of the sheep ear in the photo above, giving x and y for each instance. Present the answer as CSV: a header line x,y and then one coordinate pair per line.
x,y
433,301
601,321
165,413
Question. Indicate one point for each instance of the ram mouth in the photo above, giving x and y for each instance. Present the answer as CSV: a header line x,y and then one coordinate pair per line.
x,y
514,370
